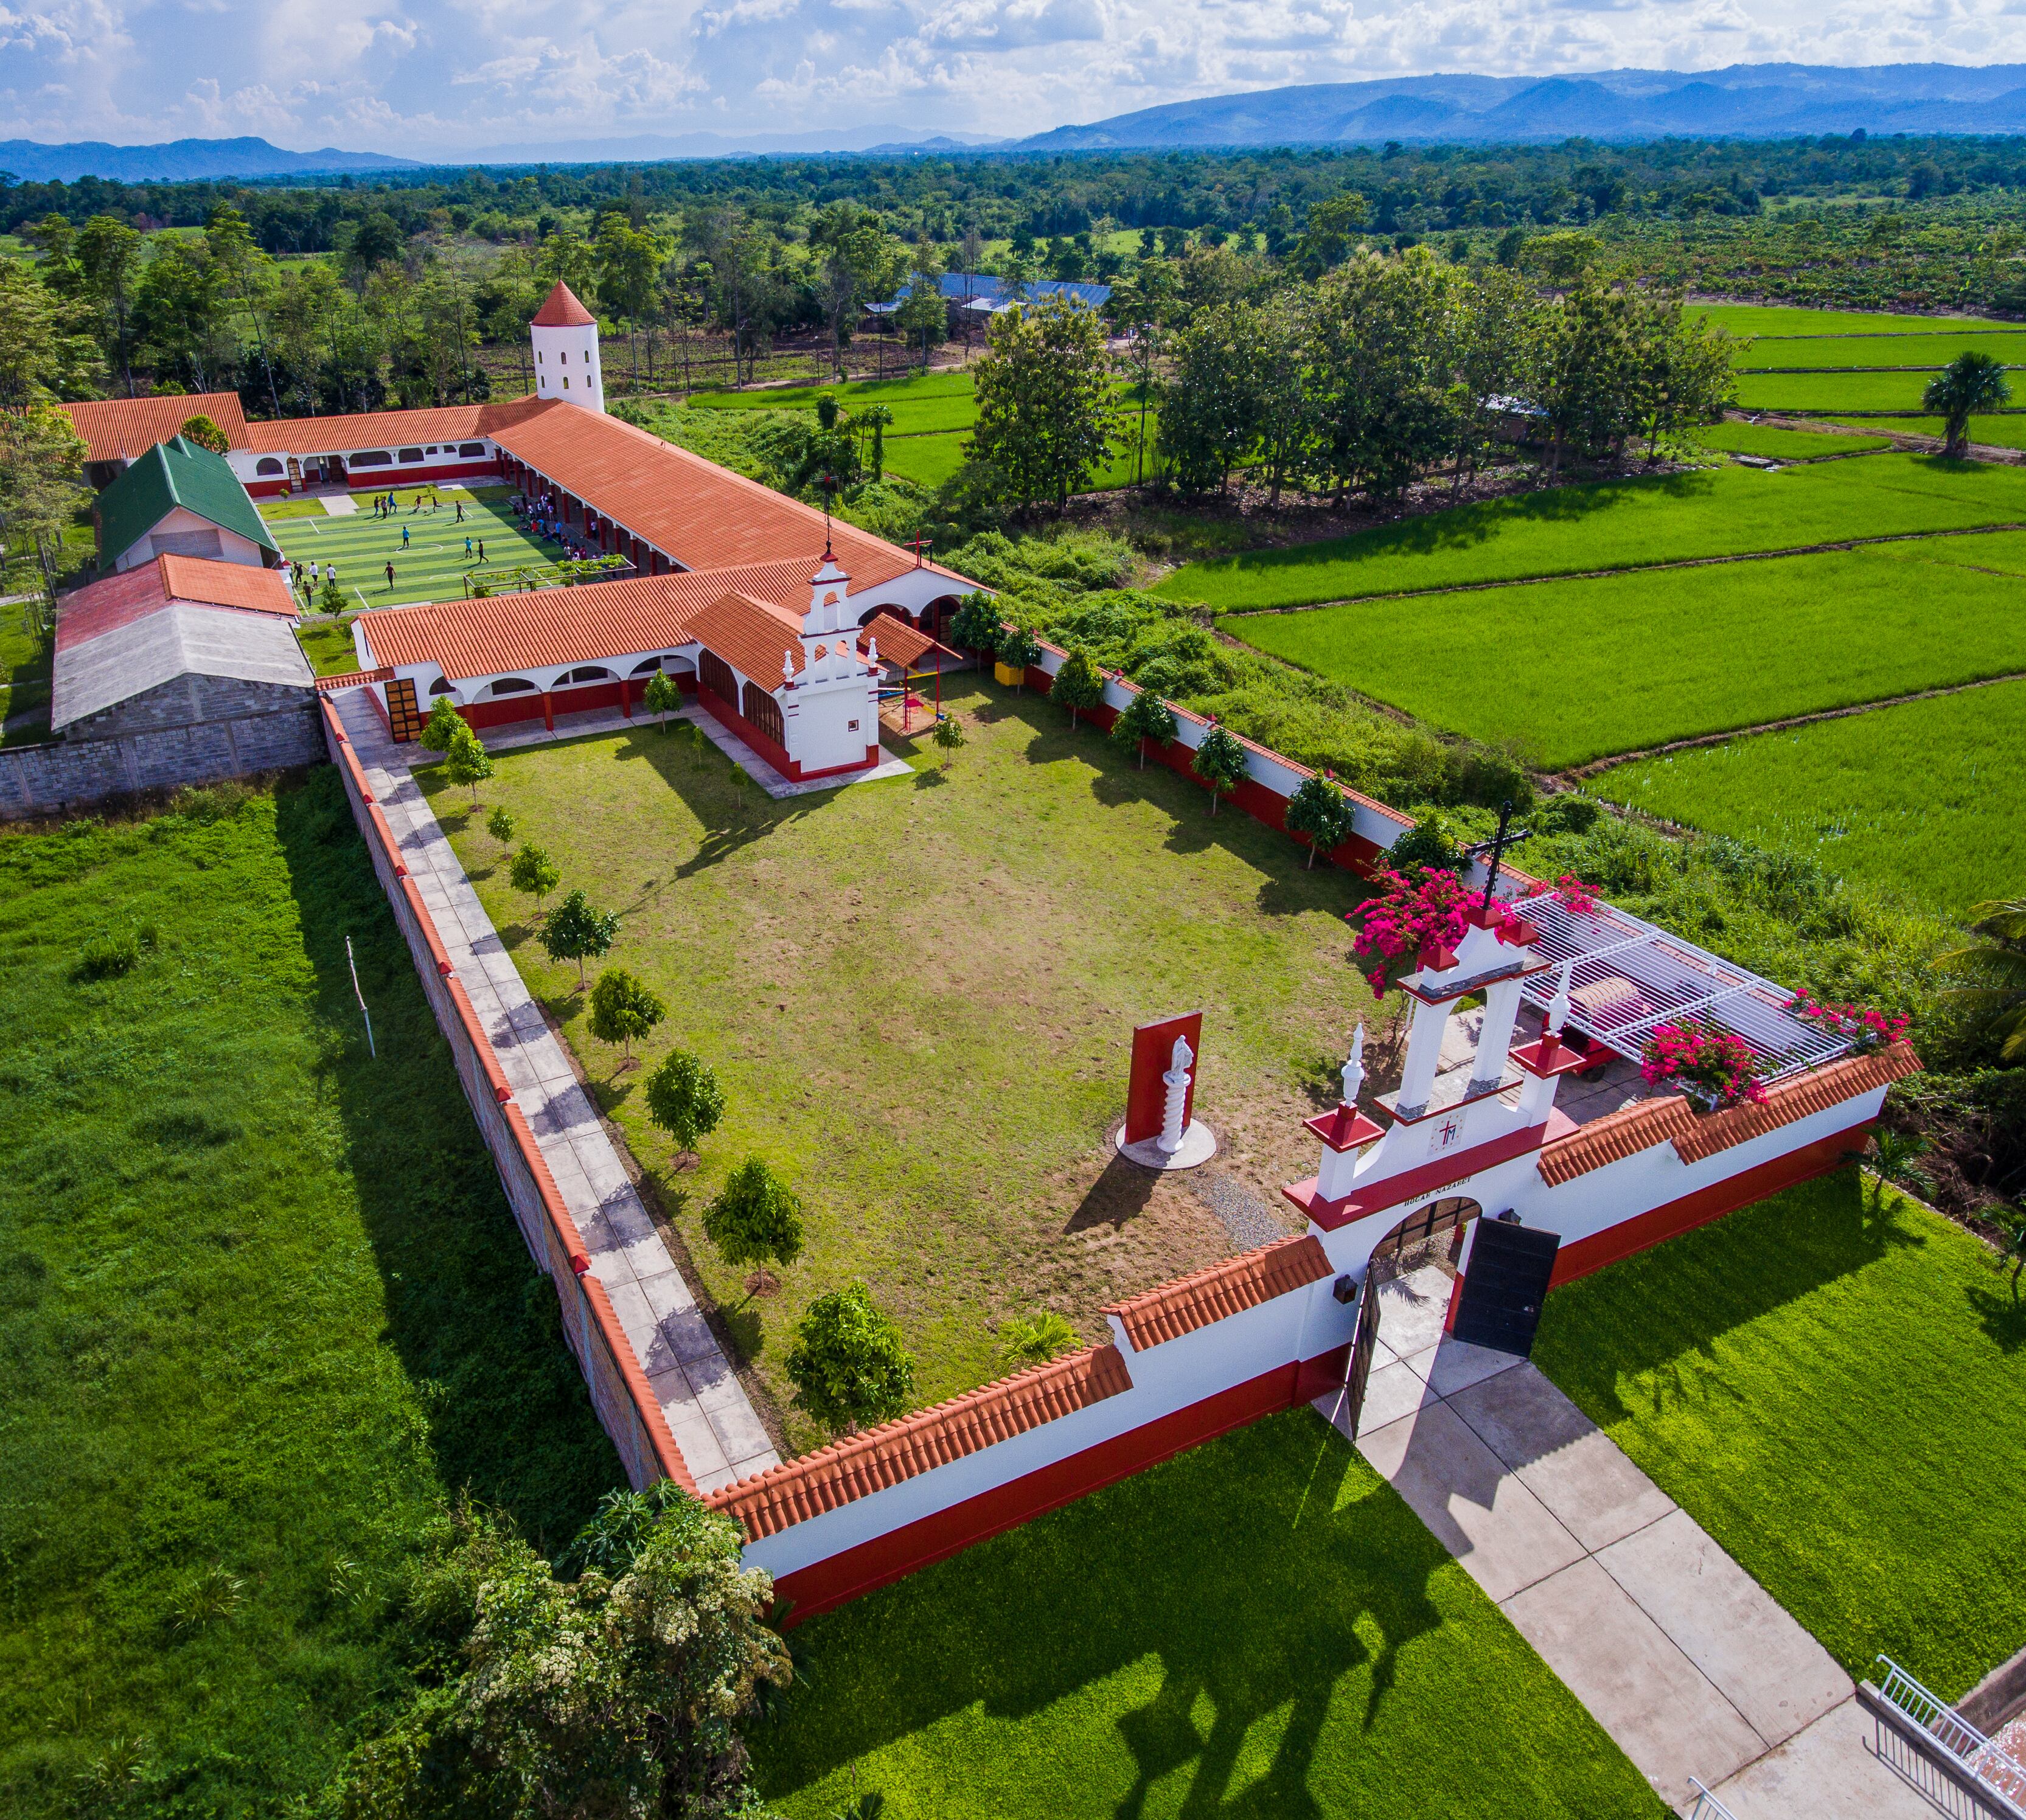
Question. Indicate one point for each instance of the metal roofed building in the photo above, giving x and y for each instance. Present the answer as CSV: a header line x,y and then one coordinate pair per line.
x,y
984,294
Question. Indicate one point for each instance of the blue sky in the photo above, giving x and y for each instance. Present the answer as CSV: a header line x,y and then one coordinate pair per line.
x,y
435,76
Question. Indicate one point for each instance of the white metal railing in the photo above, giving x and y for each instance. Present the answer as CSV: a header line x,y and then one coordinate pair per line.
x,y
1932,1713
1707,1807
1933,1747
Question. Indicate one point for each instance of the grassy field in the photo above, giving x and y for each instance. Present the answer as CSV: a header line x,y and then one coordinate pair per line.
x,y
1783,445
2007,431
1620,524
1927,798
433,566
853,393
932,460
264,1308
1788,319
1875,1491
1626,662
1933,351
920,995
1832,391
24,679
1261,1627
328,645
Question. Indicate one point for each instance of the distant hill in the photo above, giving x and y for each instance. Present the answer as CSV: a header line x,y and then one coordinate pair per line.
x,y
1752,101
178,161
651,148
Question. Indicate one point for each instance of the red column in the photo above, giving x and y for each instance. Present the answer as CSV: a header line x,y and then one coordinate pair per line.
x,y
548,711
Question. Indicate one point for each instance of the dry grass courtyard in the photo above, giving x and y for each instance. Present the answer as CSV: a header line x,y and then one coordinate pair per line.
x,y
919,995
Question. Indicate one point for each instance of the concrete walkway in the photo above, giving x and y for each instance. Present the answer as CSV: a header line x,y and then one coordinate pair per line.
x,y
1677,1652
713,1421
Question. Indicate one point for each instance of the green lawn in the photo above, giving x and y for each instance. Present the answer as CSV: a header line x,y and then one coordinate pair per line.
x,y
1619,663
920,995
1839,1396
852,394
1781,319
1783,445
1927,798
432,566
1933,351
931,460
328,645
264,1308
25,677
1261,1628
1617,524
1832,391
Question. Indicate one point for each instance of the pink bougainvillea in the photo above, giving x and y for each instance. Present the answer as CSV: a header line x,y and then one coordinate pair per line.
x,y
1569,891
1864,1029
1714,1064
1409,914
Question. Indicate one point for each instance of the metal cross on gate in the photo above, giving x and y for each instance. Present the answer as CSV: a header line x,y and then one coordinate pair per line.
x,y
1507,837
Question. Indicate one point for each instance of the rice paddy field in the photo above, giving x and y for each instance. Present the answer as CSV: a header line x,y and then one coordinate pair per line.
x,y
1783,319
1570,671
2008,432
1833,391
1857,352
1615,524
1927,798
1781,445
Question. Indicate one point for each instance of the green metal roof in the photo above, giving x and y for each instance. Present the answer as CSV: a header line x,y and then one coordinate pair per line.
x,y
177,472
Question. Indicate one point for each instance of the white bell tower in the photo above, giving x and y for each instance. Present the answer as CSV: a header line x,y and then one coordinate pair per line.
x,y
567,363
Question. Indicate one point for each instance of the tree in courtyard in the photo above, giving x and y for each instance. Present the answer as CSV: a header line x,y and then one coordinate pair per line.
x,y
534,873
499,825
573,931
622,1008
1079,684
444,725
1220,761
756,1219
684,1100
976,624
848,1364
949,736
1993,973
622,1691
1019,648
1043,400
1318,811
1034,1339
1146,717
663,695
468,762
1971,383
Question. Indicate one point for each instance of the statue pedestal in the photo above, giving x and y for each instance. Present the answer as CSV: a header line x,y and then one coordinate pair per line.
x,y
1199,1145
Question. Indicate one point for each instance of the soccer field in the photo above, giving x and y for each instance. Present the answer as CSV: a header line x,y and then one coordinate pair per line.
x,y
433,565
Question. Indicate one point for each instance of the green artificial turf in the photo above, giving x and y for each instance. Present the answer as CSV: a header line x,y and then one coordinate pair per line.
x,y
1781,445
1831,391
1927,798
1838,1395
1857,352
433,567
1783,319
1261,1627
263,1307
919,995
1617,524
1618,663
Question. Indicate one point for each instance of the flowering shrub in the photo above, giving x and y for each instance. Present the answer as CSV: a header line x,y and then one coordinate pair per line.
x,y
1569,891
1407,915
1712,1064
1862,1028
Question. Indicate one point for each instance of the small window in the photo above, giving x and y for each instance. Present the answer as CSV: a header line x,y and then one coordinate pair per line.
x,y
411,455
439,687
566,382
470,451
267,464
565,353
371,458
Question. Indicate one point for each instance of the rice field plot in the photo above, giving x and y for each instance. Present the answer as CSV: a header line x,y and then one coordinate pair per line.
x,y
1570,671
1855,352
853,394
931,460
1730,511
1786,319
1832,391
1781,445
1927,798
2008,432
2002,551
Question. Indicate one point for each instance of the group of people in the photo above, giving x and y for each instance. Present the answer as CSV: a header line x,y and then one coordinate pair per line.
x,y
389,504
305,578
541,519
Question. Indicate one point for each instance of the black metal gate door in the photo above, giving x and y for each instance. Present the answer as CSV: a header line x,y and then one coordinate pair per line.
x,y
1505,1286
1360,1351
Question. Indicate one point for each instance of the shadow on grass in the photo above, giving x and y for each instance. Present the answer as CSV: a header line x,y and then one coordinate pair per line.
x,y
471,1319
732,809
1635,1322
1234,1569
2003,1317
1120,1193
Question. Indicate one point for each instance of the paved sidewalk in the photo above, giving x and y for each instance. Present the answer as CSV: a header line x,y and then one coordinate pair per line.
x,y
1679,1654
714,1423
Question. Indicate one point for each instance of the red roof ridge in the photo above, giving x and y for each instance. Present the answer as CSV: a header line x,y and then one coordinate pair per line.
x,y
1220,1290
1799,1098
861,1465
561,309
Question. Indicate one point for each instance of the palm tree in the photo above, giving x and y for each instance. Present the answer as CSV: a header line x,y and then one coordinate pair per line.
x,y
1995,973
1893,1154
875,418
2011,1224
1970,382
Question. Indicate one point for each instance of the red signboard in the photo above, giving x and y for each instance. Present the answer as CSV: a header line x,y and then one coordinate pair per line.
x,y
1153,1047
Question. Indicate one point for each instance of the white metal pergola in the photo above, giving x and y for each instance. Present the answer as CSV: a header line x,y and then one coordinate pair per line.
x,y
1626,976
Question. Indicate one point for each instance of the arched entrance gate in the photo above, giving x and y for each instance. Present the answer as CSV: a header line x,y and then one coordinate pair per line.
x,y
1433,1234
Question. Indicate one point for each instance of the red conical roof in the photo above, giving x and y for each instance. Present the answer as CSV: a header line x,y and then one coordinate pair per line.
x,y
562,311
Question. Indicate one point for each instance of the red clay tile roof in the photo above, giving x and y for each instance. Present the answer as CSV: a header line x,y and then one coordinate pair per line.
x,y
750,636
1223,1289
1792,1100
588,624
388,429
562,311
855,1468
899,641
120,600
114,427
1614,1137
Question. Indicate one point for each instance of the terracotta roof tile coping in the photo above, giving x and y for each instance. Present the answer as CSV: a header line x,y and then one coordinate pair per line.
x,y
1614,1137
896,1451
1221,1290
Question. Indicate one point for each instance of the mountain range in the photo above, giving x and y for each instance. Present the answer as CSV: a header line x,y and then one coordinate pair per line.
x,y
178,160
1766,101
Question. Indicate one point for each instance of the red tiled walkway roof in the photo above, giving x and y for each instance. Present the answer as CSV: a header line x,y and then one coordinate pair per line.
x,y
387,430
855,1468
750,636
1223,1289
114,427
